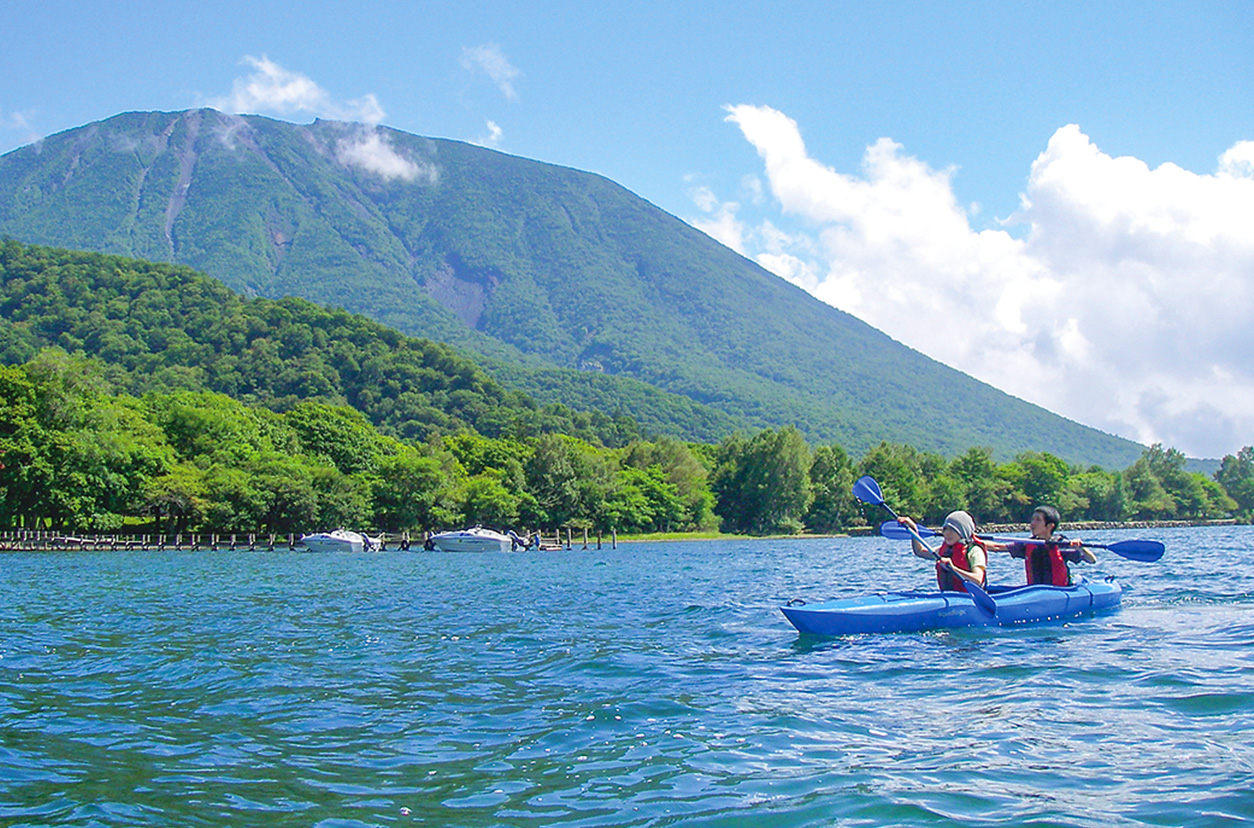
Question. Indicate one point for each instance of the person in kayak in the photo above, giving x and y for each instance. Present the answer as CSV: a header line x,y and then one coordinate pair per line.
x,y
961,557
1046,563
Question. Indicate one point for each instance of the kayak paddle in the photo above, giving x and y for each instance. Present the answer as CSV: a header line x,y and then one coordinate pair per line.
x,y
868,491
1145,551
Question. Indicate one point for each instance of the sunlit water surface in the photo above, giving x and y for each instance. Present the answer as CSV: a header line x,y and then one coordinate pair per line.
x,y
650,685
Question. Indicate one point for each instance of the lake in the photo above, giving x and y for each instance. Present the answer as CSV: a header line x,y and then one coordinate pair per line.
x,y
649,685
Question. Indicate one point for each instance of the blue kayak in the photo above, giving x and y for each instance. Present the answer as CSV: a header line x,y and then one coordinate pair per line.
x,y
914,611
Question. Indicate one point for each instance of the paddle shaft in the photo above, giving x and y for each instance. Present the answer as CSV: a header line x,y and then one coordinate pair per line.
x,y
1144,551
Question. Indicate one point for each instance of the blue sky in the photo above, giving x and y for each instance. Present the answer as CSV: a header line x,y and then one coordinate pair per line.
x,y
1002,184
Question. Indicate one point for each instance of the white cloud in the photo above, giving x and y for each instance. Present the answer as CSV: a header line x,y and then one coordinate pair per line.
x,y
370,150
489,59
274,90
1239,160
720,221
1125,306
493,137
20,123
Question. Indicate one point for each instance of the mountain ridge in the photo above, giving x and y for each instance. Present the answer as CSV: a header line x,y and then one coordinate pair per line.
x,y
551,275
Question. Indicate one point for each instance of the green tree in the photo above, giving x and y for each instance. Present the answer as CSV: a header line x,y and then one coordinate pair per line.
x,y
1096,495
904,474
1044,477
415,492
176,500
25,472
686,474
486,501
763,484
986,493
642,500
569,481
831,480
95,451
339,433
1236,475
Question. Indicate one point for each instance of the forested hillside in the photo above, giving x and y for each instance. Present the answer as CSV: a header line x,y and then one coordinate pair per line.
x,y
158,327
568,286
146,396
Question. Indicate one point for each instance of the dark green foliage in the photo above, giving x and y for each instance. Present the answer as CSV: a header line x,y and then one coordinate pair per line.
x,y
164,327
831,481
573,289
686,478
1159,486
763,483
1236,475
75,454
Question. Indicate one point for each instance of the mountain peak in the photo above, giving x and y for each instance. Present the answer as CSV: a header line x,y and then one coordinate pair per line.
x,y
545,271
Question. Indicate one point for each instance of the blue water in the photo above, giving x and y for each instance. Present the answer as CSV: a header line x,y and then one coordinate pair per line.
x,y
652,685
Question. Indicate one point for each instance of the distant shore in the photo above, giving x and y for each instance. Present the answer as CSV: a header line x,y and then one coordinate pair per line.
x,y
21,540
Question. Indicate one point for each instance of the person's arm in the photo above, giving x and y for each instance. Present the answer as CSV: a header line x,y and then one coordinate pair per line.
x,y
1079,552
1016,549
978,563
921,549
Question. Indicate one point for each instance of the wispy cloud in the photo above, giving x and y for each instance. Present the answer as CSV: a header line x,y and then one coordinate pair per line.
x,y
19,123
490,60
370,150
1124,306
272,89
493,136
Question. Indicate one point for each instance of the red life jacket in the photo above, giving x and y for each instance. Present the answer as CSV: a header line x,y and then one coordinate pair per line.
x,y
947,580
1045,565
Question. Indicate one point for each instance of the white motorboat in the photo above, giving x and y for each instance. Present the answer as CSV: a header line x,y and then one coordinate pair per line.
x,y
476,539
340,540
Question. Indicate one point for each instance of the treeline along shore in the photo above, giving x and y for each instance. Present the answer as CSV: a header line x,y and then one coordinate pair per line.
x,y
38,540
80,457
138,399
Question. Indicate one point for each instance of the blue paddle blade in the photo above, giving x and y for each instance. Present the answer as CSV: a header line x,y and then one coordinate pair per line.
x,y
983,601
868,491
1145,551
893,530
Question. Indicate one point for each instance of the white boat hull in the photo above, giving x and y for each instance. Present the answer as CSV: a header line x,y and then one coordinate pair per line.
x,y
339,540
472,540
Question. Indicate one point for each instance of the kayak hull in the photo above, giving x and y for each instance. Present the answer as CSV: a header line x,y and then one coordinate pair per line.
x,y
916,611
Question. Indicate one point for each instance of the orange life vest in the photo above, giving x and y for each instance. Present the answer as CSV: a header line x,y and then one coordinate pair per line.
x,y
947,580
1045,565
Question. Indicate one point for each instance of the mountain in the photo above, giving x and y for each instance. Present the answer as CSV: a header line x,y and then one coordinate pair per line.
x,y
566,285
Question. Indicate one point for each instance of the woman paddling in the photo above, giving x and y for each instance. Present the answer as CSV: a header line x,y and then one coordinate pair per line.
x,y
1046,560
961,557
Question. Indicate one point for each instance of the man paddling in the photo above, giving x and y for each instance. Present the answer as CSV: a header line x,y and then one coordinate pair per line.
x,y
1046,560
961,557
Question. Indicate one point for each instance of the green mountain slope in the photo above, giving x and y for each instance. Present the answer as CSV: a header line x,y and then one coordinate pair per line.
x,y
564,282
161,327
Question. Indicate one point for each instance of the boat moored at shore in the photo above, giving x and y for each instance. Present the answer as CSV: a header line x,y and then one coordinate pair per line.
x,y
475,539
340,540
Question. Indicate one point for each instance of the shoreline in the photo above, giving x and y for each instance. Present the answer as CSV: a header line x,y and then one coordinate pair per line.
x,y
31,541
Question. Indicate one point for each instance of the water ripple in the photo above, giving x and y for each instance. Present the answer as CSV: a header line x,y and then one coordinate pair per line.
x,y
652,685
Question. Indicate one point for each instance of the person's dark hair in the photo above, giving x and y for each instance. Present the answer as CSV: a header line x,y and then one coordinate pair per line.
x,y
1050,514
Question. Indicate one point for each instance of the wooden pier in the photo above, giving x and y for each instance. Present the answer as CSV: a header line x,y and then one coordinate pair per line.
x,y
31,540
